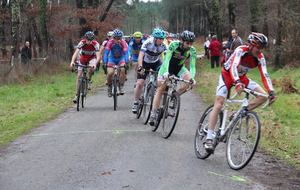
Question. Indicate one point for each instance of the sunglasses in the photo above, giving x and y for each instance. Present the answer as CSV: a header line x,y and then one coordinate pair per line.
x,y
117,38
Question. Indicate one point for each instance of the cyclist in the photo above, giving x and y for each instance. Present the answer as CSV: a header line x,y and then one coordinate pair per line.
x,y
88,52
177,56
149,58
109,36
134,47
234,72
116,53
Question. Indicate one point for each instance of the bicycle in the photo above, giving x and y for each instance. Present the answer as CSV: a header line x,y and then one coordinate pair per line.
x,y
169,111
240,132
82,86
115,84
146,100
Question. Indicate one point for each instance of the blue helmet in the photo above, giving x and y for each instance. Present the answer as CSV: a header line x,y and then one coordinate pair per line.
x,y
118,33
158,33
89,35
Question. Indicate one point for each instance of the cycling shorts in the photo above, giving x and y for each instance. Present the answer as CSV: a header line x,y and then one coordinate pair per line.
x,y
91,63
120,62
147,66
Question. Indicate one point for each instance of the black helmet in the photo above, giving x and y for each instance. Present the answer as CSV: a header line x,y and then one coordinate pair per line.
x,y
89,35
187,36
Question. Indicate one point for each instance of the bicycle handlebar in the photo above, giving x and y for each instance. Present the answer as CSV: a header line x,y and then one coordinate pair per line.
x,y
173,77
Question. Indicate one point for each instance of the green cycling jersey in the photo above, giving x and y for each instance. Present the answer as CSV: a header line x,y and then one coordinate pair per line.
x,y
176,60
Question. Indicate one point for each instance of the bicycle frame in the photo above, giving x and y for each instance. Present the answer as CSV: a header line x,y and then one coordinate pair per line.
x,y
244,104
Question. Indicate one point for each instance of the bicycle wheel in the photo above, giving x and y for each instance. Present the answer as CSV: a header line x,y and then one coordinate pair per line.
x,y
83,94
79,93
140,107
201,133
148,101
171,113
115,92
243,140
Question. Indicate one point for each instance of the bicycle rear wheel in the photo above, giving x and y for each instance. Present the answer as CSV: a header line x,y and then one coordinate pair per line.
x,y
140,107
171,113
115,92
201,133
243,140
79,94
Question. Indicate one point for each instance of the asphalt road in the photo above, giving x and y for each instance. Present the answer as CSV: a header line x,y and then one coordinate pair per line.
x,y
99,148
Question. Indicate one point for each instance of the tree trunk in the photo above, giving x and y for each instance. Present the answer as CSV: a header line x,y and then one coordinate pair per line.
x,y
43,25
106,10
278,47
15,21
232,13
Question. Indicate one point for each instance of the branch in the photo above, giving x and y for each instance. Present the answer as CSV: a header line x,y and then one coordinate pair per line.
x,y
106,10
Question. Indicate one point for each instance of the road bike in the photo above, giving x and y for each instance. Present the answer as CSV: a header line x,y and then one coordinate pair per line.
x,y
240,131
169,111
115,85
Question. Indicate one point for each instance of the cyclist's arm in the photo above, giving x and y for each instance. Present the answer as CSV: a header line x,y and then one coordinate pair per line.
x,y
105,56
234,66
265,77
75,55
167,58
98,56
193,63
141,58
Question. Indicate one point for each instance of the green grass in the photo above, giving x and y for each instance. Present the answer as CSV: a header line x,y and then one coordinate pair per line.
x,y
280,122
26,106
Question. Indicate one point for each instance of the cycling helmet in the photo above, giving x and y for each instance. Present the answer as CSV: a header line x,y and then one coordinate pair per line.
x,y
117,33
187,36
158,33
137,34
89,35
256,38
110,33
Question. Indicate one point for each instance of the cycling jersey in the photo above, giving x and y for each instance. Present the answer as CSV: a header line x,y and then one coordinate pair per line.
x,y
152,51
115,52
87,51
240,62
134,49
176,58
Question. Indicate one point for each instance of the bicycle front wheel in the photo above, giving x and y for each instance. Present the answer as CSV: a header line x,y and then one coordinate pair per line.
x,y
115,92
83,92
140,107
79,94
148,101
243,140
170,116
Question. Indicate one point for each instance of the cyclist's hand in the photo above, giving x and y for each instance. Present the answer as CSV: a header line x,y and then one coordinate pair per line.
x,y
193,82
126,66
72,65
140,69
239,87
272,97
166,75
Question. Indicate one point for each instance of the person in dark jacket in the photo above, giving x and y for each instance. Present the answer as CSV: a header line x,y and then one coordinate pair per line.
x,y
26,53
215,48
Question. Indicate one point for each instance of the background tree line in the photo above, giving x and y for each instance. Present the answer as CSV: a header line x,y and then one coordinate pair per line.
x,y
279,20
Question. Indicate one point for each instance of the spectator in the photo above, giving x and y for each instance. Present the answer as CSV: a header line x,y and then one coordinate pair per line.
x,y
215,48
234,42
206,46
26,53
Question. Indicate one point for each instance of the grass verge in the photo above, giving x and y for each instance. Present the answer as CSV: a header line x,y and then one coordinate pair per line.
x,y
25,106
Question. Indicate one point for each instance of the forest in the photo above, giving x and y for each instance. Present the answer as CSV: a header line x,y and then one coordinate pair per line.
x,y
53,27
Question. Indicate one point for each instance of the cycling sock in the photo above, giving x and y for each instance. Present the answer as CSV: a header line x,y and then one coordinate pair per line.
x,y
210,134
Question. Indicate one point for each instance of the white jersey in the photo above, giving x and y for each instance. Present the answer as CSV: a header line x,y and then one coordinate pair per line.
x,y
152,52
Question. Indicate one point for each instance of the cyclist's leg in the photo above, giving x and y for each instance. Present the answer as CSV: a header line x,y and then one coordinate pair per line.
x,y
79,74
184,74
221,94
259,100
122,71
138,90
110,73
93,65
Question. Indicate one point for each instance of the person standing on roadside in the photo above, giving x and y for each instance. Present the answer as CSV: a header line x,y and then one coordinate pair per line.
x,y
26,53
215,48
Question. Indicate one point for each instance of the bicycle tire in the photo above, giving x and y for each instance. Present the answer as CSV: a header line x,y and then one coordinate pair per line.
x,y
242,130
168,129
140,108
83,94
201,133
79,94
148,103
115,92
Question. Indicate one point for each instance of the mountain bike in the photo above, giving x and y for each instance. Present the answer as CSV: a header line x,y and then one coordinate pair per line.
x,y
146,100
169,111
240,131
82,86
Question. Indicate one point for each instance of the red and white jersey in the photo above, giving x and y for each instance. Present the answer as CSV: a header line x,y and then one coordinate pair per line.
x,y
87,51
240,62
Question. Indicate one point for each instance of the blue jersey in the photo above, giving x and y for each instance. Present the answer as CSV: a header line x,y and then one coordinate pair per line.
x,y
114,52
134,49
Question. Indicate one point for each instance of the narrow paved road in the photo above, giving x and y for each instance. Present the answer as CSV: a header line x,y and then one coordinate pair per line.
x,y
99,148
